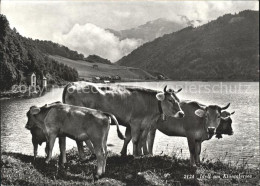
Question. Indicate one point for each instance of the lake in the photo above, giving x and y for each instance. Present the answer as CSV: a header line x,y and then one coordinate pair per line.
x,y
241,147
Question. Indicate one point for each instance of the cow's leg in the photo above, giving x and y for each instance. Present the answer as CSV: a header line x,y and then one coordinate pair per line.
x,y
90,146
128,138
35,148
62,144
50,147
105,157
143,143
46,149
197,152
191,143
81,150
100,161
136,133
150,140
100,153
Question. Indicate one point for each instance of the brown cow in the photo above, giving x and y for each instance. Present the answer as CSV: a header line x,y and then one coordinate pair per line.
x,y
136,108
38,138
78,123
199,124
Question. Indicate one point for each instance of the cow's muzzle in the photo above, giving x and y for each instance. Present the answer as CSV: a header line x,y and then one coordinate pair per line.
x,y
28,127
211,130
179,114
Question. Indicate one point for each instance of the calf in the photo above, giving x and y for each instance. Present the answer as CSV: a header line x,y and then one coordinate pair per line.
x,y
38,138
78,123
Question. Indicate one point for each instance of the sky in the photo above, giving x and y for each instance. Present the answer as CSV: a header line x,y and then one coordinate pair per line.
x,y
80,25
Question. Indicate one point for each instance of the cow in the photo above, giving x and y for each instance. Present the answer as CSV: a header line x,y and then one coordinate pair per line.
x,y
199,124
225,126
78,123
136,108
38,138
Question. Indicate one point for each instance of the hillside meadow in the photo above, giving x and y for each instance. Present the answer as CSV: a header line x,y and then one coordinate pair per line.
x,y
86,70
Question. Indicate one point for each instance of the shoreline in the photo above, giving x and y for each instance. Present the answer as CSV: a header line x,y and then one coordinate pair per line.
x,y
146,170
11,95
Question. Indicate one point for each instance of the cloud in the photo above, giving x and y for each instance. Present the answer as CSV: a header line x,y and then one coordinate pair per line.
x,y
91,39
68,22
123,14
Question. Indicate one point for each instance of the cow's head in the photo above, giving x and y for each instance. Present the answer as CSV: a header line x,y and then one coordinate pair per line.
x,y
225,125
170,103
212,116
31,114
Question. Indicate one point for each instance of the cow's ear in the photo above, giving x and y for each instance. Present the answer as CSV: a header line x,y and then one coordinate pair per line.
x,y
200,112
34,110
160,96
232,113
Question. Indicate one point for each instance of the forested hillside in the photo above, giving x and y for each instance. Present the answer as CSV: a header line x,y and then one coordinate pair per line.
x,y
223,49
20,56
51,48
97,59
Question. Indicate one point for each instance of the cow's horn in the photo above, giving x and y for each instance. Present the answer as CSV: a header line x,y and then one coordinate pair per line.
x,y
165,88
177,91
224,108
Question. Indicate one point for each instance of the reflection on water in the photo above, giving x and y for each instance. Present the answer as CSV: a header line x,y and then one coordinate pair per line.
x,y
244,99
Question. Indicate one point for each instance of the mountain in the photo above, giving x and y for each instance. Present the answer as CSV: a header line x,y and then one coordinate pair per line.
x,y
97,59
51,48
224,49
150,30
21,56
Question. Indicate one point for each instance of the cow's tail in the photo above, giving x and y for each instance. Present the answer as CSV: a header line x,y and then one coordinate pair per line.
x,y
64,92
119,133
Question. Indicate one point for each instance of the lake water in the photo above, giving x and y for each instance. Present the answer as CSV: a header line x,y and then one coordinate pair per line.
x,y
243,146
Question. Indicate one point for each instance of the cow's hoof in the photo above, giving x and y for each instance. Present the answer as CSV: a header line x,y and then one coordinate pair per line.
x,y
123,154
61,166
82,159
194,166
197,165
93,157
97,177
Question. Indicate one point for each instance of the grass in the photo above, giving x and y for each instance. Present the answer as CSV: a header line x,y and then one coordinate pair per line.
x,y
86,70
18,169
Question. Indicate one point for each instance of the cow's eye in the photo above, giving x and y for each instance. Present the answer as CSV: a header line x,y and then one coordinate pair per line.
x,y
171,100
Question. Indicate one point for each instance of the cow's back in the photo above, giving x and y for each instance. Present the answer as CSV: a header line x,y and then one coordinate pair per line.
x,y
121,102
76,122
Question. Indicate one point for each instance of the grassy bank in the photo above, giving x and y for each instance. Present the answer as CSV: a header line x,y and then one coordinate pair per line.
x,y
18,169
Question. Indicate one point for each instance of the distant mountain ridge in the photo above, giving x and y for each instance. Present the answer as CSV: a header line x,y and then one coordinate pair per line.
x,y
224,49
150,30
